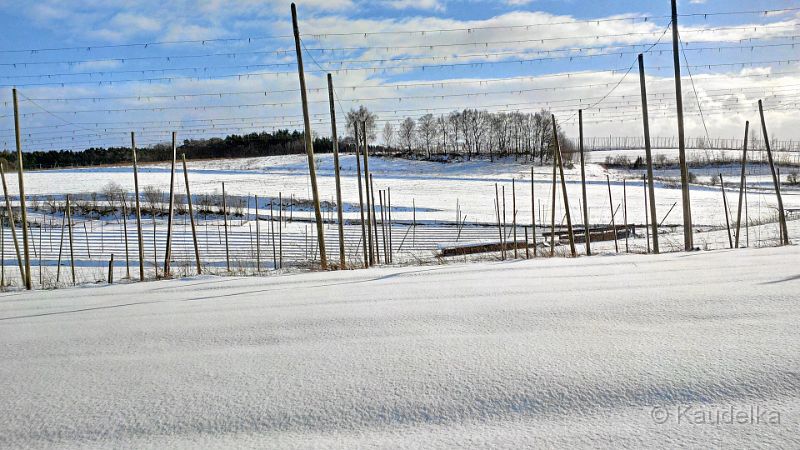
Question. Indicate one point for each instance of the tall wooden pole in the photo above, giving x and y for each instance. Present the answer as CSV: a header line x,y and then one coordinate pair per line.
x,y
725,205
369,201
374,219
583,186
125,230
191,215
742,183
71,244
553,210
646,220
168,251
23,209
688,237
10,210
336,170
775,180
625,212
514,215
611,206
138,208
309,143
533,213
225,223
258,238
649,156
361,201
570,232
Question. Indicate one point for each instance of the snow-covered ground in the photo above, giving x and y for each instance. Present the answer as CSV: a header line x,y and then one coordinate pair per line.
x,y
625,352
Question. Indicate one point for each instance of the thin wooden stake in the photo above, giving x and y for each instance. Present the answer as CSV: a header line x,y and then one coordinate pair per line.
x,y
23,208
361,199
60,247
336,170
646,216
514,215
309,143
71,243
125,231
775,179
111,270
613,222
625,213
742,183
374,218
725,205
527,251
499,223
272,236
504,243
280,230
225,223
10,210
533,213
138,208
258,239
191,215
168,249
570,231
586,231
553,210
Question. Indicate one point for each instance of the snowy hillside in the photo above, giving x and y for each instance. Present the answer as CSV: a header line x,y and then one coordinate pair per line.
x,y
545,353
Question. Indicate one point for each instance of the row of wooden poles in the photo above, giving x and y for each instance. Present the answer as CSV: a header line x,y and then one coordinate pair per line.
x,y
366,192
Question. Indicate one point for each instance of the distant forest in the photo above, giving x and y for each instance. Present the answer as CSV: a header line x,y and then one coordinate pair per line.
x,y
282,142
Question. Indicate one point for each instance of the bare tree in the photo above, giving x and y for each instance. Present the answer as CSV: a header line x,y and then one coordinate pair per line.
x,y
426,131
388,135
407,133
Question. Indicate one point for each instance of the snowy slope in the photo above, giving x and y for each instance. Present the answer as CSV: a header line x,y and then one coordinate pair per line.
x,y
558,352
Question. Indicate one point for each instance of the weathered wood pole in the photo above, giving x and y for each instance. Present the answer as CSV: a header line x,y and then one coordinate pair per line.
x,y
272,236
225,224
382,201
22,207
138,208
111,270
374,217
646,217
361,200
168,250
570,231
725,205
10,210
499,223
258,239
71,242
280,230
389,201
369,202
191,215
586,231
613,221
625,212
125,231
505,224
742,183
309,143
60,247
527,248
775,180
553,209
514,216
649,157
688,237
336,171
533,212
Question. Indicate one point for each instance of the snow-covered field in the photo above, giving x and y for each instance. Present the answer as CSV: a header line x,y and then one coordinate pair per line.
x,y
625,352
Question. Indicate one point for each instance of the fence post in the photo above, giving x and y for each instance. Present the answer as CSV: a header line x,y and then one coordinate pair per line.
x,y
613,222
646,217
225,223
258,239
138,208
168,250
111,270
553,210
374,217
23,209
649,156
370,197
725,205
775,179
514,216
570,232
742,183
71,243
191,215
625,212
361,199
11,223
688,238
336,170
309,142
533,213
586,231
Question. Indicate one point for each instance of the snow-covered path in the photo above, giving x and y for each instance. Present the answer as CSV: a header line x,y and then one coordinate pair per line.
x,y
515,354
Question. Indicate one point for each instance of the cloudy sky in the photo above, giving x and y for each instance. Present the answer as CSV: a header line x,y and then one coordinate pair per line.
x,y
90,71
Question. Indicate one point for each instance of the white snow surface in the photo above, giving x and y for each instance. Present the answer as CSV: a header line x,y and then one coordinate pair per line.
x,y
542,353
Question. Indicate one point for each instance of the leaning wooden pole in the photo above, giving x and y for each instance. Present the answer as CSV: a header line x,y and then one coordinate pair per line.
x,y
168,250
22,207
125,230
71,242
361,201
725,205
225,223
688,238
775,180
570,232
336,171
191,215
613,222
312,172
586,231
138,208
553,210
742,183
370,197
651,191
20,262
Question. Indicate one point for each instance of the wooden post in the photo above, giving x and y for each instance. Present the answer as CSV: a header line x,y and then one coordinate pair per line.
x,y
613,222
527,251
688,238
138,208
649,157
225,223
111,270
625,212
155,243
23,209
309,142
586,231
646,220
374,217
191,215
370,198
383,225
336,170
499,223
775,180
258,239
168,251
71,243
361,200
725,205
533,213
514,216
125,231
60,247
505,228
272,236
10,210
553,210
742,183
570,231
389,201
280,230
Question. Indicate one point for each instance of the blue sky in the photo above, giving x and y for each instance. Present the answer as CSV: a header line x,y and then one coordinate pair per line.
x,y
240,51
